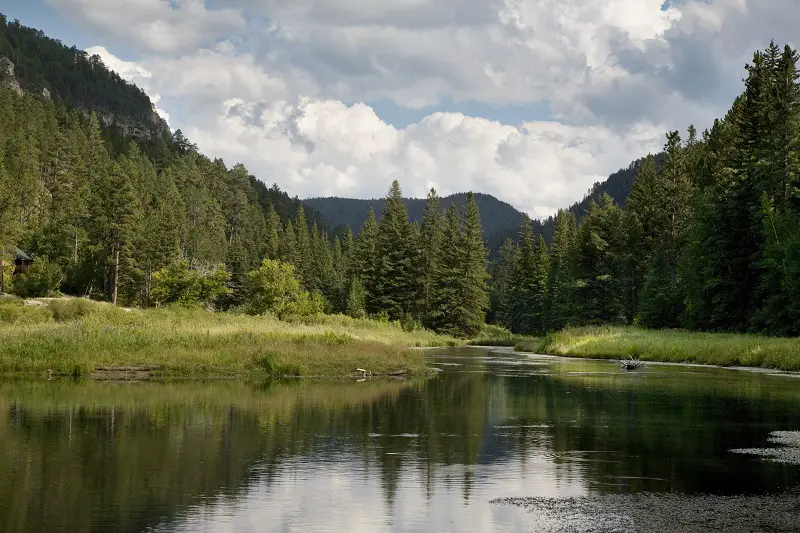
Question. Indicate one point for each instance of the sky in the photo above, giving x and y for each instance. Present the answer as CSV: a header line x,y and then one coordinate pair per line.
x,y
531,101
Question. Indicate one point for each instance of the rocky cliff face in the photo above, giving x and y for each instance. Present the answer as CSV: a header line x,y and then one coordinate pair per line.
x,y
138,130
7,77
155,125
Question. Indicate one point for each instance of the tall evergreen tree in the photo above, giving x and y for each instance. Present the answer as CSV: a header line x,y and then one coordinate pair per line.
x,y
560,280
431,239
273,232
521,306
364,262
302,258
474,294
396,286
445,290
599,266
502,272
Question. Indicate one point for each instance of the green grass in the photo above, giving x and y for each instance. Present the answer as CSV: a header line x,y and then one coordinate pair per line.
x,y
493,335
723,349
75,337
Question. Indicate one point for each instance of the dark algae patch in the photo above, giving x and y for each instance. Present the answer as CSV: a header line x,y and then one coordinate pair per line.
x,y
662,512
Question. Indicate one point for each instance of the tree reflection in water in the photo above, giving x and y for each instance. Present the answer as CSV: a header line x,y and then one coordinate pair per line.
x,y
379,454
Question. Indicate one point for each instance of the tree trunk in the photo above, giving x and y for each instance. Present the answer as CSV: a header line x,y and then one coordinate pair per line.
x,y
116,276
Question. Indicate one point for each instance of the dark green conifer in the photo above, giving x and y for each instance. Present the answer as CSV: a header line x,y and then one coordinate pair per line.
x,y
396,286
364,263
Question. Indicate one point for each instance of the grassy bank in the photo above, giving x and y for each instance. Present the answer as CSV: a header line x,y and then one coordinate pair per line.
x,y
492,335
724,349
78,337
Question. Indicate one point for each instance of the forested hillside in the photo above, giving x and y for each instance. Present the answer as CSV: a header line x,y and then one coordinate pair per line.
x,y
96,215
707,240
617,186
44,66
98,204
501,220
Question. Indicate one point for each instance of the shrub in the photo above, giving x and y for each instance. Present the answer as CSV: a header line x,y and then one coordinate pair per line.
x,y
271,287
268,362
304,305
14,312
41,279
382,316
71,309
180,284
409,323
274,288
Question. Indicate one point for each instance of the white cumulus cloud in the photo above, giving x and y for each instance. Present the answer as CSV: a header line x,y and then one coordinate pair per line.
x,y
323,147
271,83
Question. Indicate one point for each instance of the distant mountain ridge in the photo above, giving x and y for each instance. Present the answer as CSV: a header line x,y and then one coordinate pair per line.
x,y
498,217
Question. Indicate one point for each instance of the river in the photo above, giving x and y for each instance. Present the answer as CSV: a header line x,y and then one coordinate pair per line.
x,y
442,454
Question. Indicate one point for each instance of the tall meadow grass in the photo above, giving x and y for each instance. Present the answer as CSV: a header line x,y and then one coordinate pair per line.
x,y
677,346
76,337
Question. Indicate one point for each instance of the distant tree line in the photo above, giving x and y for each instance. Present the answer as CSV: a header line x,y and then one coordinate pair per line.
x,y
708,239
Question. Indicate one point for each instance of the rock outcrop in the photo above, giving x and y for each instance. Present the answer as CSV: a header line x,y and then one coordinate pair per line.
x,y
7,77
136,129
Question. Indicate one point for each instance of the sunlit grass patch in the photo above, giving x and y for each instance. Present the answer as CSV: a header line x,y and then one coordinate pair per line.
x,y
494,335
77,338
724,349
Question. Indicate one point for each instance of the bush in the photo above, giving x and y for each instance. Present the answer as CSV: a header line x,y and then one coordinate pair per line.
x,y
41,279
409,323
14,312
382,316
271,287
182,285
274,288
304,305
268,362
72,309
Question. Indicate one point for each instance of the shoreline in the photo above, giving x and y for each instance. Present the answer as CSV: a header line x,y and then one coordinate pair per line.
x,y
82,339
724,350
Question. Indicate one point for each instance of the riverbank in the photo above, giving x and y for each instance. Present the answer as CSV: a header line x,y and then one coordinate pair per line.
x,y
722,349
90,339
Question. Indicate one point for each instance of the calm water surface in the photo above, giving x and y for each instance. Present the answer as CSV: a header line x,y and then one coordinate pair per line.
x,y
381,455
